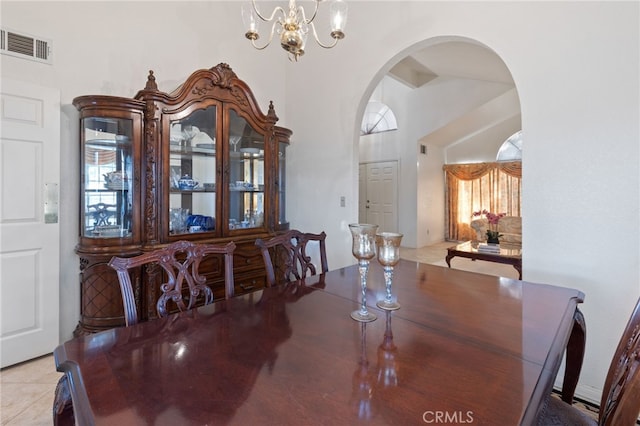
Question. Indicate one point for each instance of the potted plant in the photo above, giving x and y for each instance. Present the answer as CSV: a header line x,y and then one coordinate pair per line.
x,y
493,236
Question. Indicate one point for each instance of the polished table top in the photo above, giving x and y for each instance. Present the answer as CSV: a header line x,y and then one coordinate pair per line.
x,y
467,347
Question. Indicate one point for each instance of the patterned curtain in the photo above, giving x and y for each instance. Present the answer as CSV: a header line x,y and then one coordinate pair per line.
x,y
496,187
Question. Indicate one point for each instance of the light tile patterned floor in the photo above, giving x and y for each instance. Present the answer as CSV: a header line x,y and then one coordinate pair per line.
x,y
27,389
26,392
436,253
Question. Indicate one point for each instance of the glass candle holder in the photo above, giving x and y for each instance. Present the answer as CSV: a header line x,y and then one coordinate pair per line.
x,y
364,249
388,256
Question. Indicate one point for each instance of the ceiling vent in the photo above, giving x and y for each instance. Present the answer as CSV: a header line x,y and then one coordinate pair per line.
x,y
25,46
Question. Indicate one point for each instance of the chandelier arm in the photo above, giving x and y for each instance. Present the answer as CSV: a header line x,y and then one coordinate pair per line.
x,y
315,35
253,42
273,14
313,16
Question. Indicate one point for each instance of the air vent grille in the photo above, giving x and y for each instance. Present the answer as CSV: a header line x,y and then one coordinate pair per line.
x,y
42,49
25,46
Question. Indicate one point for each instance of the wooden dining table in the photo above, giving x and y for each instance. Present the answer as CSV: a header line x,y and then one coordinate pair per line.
x,y
464,348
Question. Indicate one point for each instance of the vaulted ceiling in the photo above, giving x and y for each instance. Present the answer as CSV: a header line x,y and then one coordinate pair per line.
x,y
452,59
493,116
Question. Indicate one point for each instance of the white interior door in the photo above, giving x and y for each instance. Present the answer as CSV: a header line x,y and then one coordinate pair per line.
x,y
381,200
29,229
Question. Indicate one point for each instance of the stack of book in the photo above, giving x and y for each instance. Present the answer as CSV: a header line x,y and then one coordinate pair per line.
x,y
489,248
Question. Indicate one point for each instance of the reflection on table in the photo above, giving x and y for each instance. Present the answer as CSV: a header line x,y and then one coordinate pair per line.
x,y
478,348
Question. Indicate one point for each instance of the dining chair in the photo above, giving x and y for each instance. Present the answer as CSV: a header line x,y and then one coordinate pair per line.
x,y
620,401
286,257
180,262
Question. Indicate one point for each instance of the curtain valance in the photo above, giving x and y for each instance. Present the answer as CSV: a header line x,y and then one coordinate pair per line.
x,y
477,170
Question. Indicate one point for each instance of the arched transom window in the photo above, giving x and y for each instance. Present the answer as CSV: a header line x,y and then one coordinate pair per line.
x,y
511,149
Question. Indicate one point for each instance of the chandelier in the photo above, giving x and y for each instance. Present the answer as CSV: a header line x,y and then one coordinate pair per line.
x,y
293,26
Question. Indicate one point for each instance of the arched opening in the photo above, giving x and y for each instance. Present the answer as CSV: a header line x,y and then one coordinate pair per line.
x,y
455,102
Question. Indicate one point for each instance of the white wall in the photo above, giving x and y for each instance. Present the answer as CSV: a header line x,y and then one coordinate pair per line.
x,y
575,66
484,146
430,197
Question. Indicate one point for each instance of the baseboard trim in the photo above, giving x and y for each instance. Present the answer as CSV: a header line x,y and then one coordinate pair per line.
x,y
588,394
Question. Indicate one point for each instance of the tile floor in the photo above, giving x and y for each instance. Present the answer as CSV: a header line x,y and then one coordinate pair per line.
x,y
435,254
26,392
27,389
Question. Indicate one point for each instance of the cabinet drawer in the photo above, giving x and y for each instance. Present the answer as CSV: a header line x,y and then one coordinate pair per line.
x,y
247,283
246,259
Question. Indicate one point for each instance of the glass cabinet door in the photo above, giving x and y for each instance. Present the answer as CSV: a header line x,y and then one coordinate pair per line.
x,y
282,183
192,173
246,205
107,154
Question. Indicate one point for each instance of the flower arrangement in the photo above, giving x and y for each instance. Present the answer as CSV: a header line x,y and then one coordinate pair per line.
x,y
493,218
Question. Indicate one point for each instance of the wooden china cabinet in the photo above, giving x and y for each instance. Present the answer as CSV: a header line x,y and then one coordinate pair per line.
x,y
202,163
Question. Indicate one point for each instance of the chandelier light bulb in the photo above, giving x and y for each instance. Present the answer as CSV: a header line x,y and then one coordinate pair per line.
x,y
338,13
250,21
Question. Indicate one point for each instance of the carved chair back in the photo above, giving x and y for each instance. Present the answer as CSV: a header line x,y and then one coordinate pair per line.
x,y
180,262
620,403
286,258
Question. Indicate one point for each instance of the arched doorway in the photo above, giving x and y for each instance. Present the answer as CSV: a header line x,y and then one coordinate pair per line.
x,y
455,101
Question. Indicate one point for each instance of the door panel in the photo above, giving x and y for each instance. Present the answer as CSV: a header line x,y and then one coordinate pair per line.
x,y
29,244
373,195
381,197
362,193
388,199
